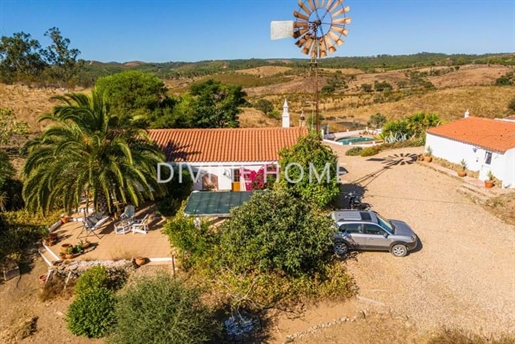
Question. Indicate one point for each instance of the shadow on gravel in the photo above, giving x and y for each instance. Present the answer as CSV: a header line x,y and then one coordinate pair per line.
x,y
419,247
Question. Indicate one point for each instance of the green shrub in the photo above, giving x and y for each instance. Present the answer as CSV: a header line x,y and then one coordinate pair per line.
x,y
92,313
159,309
94,278
354,151
369,151
275,231
193,242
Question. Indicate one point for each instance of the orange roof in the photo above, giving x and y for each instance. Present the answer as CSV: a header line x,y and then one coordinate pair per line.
x,y
491,134
225,145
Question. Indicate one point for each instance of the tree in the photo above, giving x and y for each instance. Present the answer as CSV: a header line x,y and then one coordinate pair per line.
x,y
160,309
215,105
265,106
275,232
85,151
376,121
136,95
419,122
366,88
382,86
20,58
62,60
303,163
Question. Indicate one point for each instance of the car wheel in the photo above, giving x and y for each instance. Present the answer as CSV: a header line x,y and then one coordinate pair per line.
x,y
399,250
341,248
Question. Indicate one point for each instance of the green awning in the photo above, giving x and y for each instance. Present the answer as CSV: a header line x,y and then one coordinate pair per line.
x,y
215,203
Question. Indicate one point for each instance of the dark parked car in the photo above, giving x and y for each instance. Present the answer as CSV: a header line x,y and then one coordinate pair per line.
x,y
367,230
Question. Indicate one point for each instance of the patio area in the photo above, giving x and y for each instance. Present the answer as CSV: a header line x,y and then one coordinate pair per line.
x,y
112,246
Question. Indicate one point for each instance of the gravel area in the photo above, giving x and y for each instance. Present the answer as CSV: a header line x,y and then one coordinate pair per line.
x,y
464,273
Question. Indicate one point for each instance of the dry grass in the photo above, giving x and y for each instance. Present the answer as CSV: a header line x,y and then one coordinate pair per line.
x,y
503,207
467,88
264,71
457,336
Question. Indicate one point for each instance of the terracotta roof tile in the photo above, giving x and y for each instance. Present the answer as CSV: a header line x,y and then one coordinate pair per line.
x,y
495,135
225,145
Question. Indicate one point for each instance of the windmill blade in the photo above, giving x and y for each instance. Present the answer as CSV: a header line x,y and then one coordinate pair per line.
x,y
328,43
332,49
300,43
323,46
341,11
344,21
304,8
334,5
298,33
312,5
341,30
301,25
336,38
308,46
300,15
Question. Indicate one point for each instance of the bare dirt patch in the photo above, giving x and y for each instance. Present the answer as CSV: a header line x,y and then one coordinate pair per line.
x,y
503,207
264,71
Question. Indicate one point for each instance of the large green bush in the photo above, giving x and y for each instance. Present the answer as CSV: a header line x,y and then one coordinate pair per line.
x,y
94,278
276,232
92,313
302,162
161,310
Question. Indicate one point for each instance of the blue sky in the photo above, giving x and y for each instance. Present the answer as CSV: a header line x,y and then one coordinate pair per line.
x,y
171,30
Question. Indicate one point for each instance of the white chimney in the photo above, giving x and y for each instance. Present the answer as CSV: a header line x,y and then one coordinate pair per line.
x,y
467,113
286,115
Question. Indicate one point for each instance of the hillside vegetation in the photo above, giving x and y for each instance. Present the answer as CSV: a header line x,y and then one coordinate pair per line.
x,y
352,89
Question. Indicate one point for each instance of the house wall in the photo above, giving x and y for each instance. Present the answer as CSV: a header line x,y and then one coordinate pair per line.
x,y
453,151
509,169
221,174
501,165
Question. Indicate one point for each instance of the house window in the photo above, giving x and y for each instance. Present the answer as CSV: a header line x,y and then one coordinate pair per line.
x,y
488,158
236,175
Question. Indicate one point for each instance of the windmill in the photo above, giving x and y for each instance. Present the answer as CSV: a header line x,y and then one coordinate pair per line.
x,y
319,28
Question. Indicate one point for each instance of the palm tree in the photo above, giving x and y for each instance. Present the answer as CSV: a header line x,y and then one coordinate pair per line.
x,y
87,150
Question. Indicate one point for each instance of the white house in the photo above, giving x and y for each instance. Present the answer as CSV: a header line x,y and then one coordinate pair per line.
x,y
218,157
485,144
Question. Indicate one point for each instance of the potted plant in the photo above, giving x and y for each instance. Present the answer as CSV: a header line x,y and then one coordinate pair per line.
x,y
463,172
84,244
64,247
69,253
43,278
140,261
490,182
428,155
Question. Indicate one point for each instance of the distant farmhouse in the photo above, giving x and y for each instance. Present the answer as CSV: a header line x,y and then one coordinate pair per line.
x,y
485,144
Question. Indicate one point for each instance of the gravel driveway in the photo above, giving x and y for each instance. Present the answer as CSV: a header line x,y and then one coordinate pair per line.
x,y
463,275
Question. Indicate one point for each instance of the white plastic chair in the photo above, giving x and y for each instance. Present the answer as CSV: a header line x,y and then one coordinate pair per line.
x,y
140,226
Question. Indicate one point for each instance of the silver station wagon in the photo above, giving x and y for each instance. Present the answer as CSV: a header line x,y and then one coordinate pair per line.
x,y
367,230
